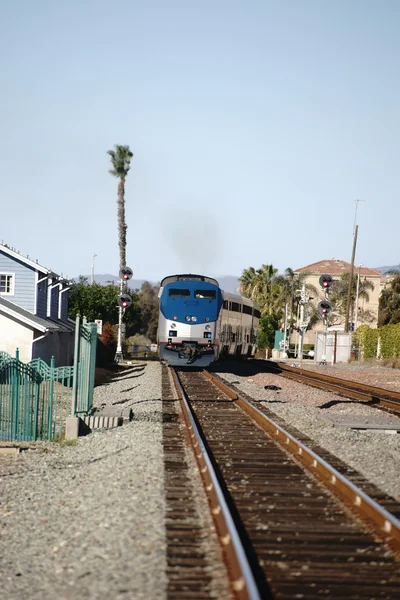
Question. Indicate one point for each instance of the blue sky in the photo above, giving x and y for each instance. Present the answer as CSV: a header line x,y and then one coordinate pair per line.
x,y
255,127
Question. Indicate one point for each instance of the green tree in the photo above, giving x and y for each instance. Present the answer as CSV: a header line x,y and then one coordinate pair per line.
x,y
149,306
262,286
121,159
266,330
389,303
338,299
97,301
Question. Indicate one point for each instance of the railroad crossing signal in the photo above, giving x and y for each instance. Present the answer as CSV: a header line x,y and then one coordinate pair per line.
x,y
325,281
125,273
324,308
124,301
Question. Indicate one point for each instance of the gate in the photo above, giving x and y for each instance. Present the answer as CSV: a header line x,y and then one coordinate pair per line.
x,y
84,365
36,399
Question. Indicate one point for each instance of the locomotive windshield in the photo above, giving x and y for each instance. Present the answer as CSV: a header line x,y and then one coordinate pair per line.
x,y
178,293
208,294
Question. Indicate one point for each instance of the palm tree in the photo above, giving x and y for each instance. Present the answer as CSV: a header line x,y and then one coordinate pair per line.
x,y
121,159
338,298
247,282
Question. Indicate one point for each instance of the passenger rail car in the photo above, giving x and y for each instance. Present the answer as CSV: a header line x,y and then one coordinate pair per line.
x,y
199,322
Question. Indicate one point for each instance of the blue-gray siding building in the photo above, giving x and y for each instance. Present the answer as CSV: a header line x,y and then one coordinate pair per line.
x,y
33,309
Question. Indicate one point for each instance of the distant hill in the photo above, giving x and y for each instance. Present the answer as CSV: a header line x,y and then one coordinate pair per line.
x,y
229,283
108,278
384,270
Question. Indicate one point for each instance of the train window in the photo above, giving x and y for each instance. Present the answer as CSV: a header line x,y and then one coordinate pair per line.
x,y
178,293
208,294
226,304
257,313
246,309
236,307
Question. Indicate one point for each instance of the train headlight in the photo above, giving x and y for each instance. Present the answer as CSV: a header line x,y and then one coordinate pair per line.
x,y
194,318
207,328
173,325
187,319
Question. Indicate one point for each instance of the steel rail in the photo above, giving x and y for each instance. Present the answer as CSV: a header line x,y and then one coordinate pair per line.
x,y
385,524
343,387
242,580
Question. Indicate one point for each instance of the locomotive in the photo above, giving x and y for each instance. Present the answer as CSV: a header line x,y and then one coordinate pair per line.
x,y
199,322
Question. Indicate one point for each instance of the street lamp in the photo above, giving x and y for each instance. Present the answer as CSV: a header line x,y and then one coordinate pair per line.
x,y
94,256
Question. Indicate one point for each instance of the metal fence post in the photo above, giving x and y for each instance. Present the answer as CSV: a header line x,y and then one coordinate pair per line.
x,y
76,366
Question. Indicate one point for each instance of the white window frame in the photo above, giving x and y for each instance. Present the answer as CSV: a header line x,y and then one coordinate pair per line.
x,y
12,275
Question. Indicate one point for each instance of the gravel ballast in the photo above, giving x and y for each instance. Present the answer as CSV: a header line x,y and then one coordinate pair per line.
x,y
87,520
314,412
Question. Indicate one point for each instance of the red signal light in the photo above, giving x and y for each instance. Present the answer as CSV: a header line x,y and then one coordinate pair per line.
x,y
175,318
207,319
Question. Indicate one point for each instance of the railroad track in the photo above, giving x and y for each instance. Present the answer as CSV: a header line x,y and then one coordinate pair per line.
x,y
372,395
283,533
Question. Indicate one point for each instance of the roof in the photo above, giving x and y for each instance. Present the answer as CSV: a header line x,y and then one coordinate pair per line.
x,y
188,277
336,267
24,316
24,259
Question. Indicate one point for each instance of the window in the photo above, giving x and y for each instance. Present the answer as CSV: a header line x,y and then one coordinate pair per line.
x,y
6,283
257,313
226,304
178,293
208,294
246,309
236,307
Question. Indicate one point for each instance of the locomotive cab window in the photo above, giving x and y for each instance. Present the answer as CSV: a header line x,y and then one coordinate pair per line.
x,y
178,293
207,294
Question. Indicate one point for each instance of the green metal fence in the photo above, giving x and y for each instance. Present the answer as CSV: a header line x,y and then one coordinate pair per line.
x,y
85,365
36,399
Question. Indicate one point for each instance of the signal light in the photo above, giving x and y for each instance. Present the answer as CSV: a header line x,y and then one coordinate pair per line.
x,y
324,308
325,281
124,301
125,273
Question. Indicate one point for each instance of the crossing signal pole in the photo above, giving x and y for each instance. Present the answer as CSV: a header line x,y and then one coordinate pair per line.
x,y
304,320
124,301
324,308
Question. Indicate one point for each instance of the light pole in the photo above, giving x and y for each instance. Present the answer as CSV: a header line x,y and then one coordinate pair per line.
x,y
94,256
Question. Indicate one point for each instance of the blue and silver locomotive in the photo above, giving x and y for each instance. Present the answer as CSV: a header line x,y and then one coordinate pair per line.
x,y
199,322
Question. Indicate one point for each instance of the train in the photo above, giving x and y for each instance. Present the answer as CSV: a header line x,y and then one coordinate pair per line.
x,y
199,322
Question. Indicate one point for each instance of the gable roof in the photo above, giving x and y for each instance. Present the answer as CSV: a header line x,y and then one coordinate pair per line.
x,y
24,259
24,316
336,267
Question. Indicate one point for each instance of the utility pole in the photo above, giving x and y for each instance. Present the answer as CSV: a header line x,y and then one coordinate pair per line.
x,y
346,323
355,214
357,292
94,256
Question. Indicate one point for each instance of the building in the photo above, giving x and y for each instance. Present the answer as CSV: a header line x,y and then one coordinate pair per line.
x,y
33,310
336,268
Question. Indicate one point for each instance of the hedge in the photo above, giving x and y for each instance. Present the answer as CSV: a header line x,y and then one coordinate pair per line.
x,y
366,339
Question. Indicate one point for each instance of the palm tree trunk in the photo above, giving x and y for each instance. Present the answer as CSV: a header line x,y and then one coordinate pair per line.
x,y
121,223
